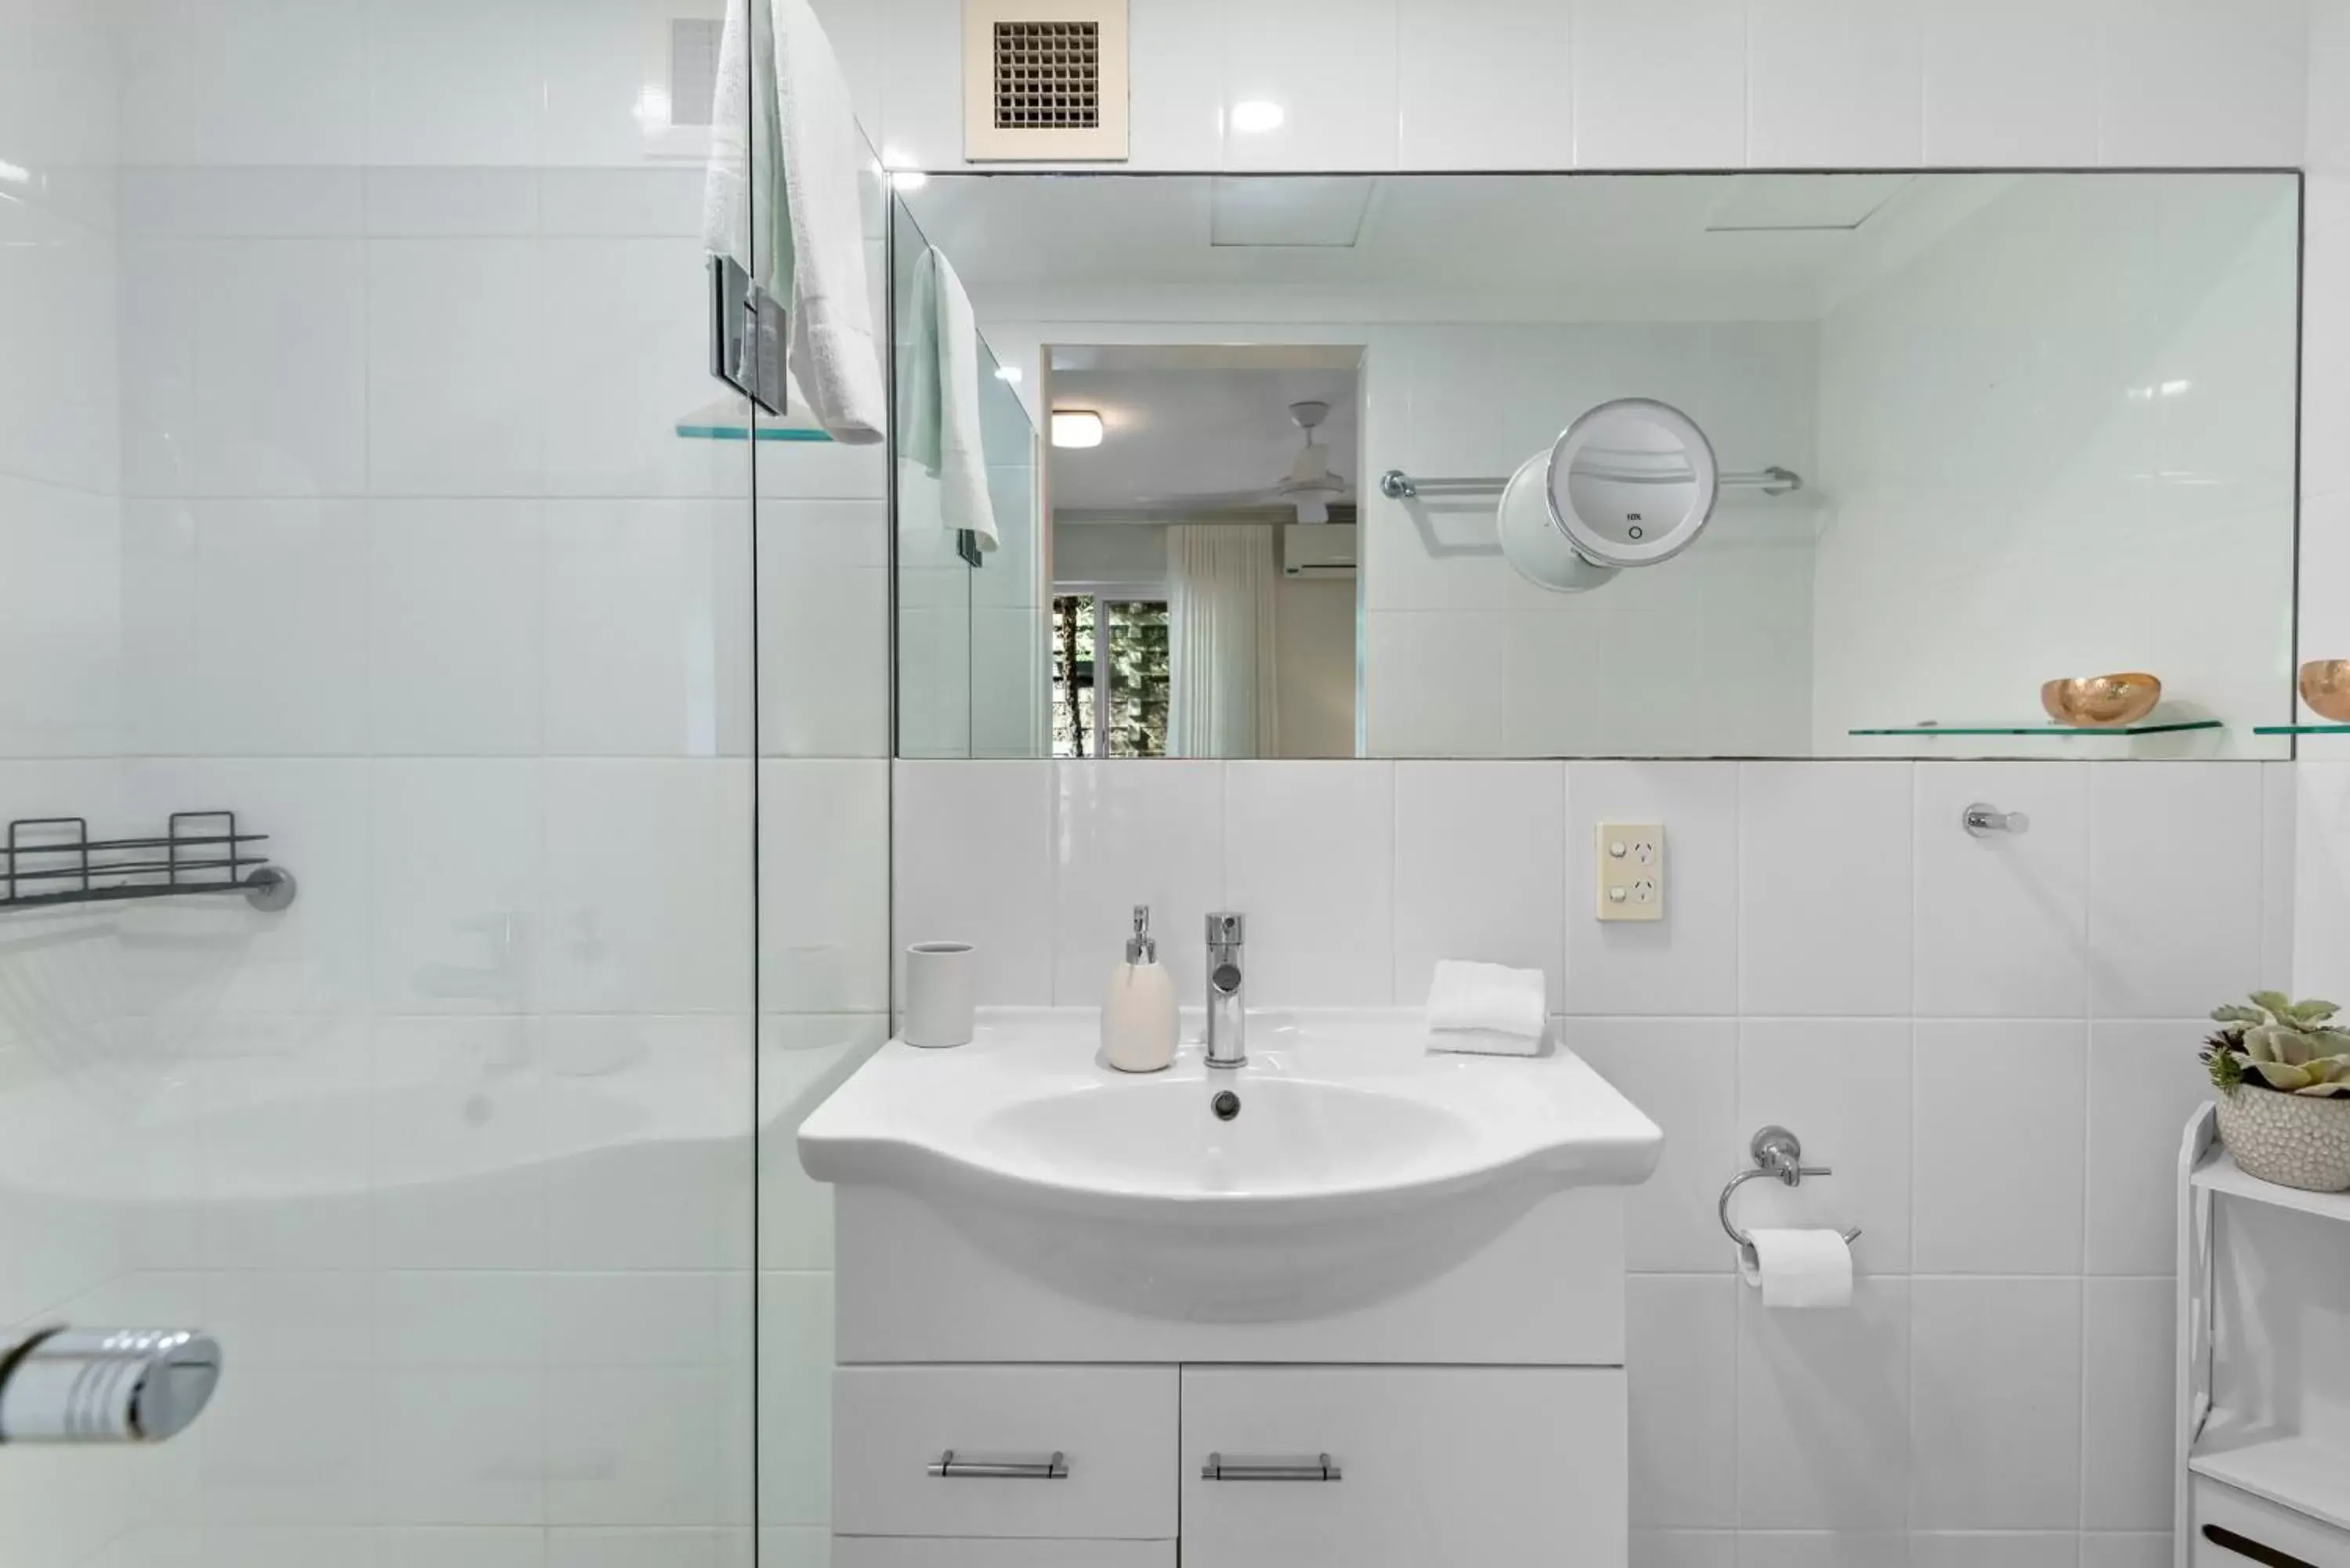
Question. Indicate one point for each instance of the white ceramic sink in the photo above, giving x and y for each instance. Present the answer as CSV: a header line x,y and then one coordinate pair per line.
x,y
1358,1162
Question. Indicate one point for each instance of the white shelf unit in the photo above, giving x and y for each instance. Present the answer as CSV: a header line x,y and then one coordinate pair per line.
x,y
2261,1457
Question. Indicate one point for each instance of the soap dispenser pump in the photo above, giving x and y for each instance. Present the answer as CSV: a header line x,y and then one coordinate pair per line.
x,y
1139,1014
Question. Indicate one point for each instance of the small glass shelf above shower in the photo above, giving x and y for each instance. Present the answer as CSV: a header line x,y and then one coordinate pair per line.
x,y
2301,728
730,420
1928,728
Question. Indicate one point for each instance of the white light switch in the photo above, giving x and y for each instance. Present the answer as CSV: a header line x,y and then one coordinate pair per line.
x,y
1631,871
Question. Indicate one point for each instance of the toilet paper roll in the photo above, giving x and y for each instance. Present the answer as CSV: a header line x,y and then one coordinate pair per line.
x,y
1800,1268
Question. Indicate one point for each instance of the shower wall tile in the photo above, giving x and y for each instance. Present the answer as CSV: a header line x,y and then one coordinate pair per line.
x,y
1515,60
1631,56
1834,83
455,380
2180,83
2011,81
456,627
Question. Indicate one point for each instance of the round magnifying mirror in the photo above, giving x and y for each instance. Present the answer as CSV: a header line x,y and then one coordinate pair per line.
x,y
1632,482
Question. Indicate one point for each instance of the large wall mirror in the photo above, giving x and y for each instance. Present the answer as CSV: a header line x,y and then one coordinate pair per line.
x,y
1740,465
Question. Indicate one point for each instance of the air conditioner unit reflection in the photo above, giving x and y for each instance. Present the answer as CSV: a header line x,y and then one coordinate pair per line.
x,y
1317,550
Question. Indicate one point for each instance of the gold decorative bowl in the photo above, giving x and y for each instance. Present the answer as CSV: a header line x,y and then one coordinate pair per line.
x,y
2102,702
2325,687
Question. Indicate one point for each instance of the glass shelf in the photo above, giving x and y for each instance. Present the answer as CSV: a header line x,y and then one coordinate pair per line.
x,y
2144,727
2301,728
689,431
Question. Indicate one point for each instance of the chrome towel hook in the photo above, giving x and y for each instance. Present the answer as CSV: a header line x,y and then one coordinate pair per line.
x,y
1779,1154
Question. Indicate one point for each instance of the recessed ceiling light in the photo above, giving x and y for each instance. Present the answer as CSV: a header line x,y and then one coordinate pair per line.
x,y
908,180
1257,115
1076,428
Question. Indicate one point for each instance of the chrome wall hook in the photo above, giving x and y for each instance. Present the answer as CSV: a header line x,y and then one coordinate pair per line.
x,y
1779,1155
1983,820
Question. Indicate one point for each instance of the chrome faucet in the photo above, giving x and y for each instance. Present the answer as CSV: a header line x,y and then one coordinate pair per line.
x,y
1227,1015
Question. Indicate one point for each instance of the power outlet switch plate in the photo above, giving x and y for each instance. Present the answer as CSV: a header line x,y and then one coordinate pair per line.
x,y
1631,879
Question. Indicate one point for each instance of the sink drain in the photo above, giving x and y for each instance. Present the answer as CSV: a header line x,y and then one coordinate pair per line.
x,y
1226,1105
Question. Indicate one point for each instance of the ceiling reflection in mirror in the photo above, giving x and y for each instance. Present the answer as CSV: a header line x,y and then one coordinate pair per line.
x,y
1752,465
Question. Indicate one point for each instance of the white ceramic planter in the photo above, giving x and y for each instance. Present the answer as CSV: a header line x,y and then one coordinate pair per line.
x,y
2293,1140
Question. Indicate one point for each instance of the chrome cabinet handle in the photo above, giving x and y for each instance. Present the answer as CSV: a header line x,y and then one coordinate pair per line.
x,y
950,1468
1320,1468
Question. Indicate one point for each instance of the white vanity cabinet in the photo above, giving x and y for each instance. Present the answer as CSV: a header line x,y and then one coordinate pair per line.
x,y
1377,1321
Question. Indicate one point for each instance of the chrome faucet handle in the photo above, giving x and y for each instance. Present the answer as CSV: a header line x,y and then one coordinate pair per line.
x,y
1227,929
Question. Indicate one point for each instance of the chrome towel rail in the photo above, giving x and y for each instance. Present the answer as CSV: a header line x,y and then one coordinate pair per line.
x,y
1398,485
1778,1154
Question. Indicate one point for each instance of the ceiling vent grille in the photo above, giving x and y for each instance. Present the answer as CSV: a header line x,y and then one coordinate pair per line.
x,y
1045,80
1048,75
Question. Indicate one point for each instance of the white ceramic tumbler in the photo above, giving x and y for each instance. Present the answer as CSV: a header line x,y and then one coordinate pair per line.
x,y
942,981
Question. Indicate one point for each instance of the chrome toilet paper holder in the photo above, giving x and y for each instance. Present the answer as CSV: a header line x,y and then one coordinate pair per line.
x,y
1778,1154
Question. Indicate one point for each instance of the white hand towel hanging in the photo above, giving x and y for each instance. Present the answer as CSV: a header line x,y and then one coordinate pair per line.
x,y
942,368
810,242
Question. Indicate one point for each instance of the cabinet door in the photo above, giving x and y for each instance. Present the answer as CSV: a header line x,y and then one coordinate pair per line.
x,y
1473,1467
1113,1429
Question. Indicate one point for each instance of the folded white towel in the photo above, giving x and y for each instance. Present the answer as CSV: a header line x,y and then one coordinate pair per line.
x,y
1486,1007
942,397
811,241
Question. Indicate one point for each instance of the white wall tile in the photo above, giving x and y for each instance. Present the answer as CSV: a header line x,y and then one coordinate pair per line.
x,y
2174,888
1833,83
2141,1550
1175,109
2148,1078
1112,823
1823,888
628,346
456,883
824,906
1843,1085
269,81
2021,1213
452,81
2128,1414
2010,82
461,1446
72,570
650,1446
455,342
795,1392
293,681
1659,84
2181,83
641,917
1996,1374
455,628
921,85
972,861
1479,858
1319,907
2320,915
1513,61
824,621
1823,1413
222,961
1684,1548
1681,1356
1686,962
647,629
457,1122
266,421
2005,1549
1683,1074
1330,65
648,1120
2002,921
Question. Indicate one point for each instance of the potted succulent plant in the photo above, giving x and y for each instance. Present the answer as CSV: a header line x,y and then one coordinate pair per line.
x,y
2283,1069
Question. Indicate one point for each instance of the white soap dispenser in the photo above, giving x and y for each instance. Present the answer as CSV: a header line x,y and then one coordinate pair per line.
x,y
1138,1015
